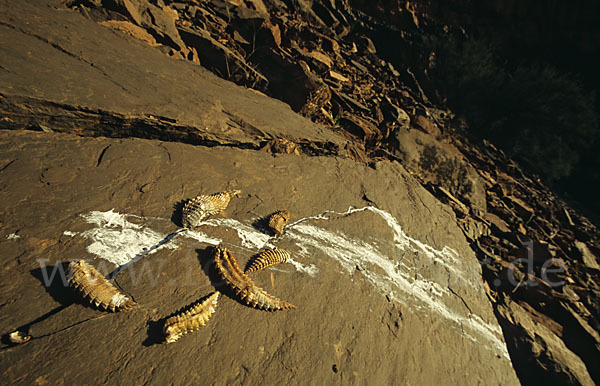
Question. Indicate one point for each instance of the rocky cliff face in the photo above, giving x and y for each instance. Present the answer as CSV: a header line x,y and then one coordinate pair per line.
x,y
403,236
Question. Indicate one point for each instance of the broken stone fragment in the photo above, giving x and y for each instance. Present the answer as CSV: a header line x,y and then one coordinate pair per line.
x,y
427,126
282,146
589,259
337,76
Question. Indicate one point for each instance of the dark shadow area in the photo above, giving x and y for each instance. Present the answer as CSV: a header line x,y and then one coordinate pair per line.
x,y
541,369
526,366
573,334
176,217
155,332
54,280
261,224
575,337
96,122
205,257
541,111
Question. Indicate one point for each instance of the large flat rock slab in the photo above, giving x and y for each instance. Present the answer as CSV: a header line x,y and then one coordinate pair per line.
x,y
387,289
61,62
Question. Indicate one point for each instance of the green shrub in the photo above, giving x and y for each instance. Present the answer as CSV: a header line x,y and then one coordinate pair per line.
x,y
539,116
450,173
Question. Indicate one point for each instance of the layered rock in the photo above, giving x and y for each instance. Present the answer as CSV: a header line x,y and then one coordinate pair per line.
x,y
374,274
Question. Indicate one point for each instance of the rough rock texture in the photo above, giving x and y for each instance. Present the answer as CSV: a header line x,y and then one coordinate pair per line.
x,y
366,293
